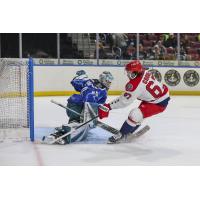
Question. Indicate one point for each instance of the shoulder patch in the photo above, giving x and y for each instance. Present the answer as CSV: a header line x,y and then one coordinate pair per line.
x,y
133,84
129,86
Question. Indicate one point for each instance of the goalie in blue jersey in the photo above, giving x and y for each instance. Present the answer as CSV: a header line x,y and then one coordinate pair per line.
x,y
83,106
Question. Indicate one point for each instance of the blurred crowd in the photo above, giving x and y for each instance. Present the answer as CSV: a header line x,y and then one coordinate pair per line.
x,y
127,46
152,46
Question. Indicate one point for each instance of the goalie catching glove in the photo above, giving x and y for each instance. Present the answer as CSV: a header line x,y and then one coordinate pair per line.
x,y
103,110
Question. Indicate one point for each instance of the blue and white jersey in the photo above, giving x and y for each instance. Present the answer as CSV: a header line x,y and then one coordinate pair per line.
x,y
79,84
90,91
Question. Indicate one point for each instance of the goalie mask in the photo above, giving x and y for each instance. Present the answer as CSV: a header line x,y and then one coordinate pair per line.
x,y
106,79
133,69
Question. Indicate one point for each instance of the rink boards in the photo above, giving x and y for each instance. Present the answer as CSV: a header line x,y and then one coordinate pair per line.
x,y
55,80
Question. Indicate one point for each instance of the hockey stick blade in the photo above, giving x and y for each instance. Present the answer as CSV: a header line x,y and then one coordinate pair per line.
x,y
139,133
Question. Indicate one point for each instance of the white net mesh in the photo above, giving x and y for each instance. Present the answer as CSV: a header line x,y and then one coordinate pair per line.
x,y
13,94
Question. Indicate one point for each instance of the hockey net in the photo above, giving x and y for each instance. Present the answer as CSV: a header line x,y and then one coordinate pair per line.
x,y
14,112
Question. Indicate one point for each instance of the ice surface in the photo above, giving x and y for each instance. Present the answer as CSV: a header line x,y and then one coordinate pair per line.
x,y
174,139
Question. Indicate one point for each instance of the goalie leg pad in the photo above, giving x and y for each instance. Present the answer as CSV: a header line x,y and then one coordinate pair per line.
x,y
73,116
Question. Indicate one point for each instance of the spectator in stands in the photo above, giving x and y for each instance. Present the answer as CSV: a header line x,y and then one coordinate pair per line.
x,y
155,55
130,53
106,39
162,48
198,37
131,39
185,42
183,54
142,52
171,41
102,53
158,52
120,40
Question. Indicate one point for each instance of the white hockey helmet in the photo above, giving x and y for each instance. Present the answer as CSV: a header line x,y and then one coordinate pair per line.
x,y
106,79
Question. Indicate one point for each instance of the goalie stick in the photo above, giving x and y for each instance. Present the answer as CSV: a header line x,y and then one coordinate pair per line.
x,y
61,105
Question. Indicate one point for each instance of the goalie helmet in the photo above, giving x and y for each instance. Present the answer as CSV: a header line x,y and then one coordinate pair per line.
x,y
133,69
106,79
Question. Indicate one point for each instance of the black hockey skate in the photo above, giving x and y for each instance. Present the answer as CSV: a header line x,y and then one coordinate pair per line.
x,y
119,138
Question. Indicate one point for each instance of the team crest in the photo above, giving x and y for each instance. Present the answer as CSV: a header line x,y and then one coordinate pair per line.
x,y
172,77
156,74
129,87
191,78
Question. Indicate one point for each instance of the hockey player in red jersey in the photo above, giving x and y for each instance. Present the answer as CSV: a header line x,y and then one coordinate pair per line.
x,y
142,85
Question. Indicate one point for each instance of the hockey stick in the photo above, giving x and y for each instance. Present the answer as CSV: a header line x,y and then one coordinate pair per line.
x,y
100,124
61,105
107,127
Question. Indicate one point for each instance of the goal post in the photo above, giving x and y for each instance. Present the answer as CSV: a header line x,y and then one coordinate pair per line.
x,y
16,99
31,98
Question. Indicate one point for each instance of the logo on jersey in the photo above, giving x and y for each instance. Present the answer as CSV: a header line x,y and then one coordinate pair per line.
x,y
172,77
191,78
129,87
156,74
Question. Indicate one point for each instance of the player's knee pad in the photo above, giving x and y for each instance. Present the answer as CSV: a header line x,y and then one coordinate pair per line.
x,y
135,117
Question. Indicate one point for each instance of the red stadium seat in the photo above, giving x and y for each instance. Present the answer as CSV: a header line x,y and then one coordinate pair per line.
x,y
147,43
170,50
153,37
142,37
192,38
192,51
194,56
